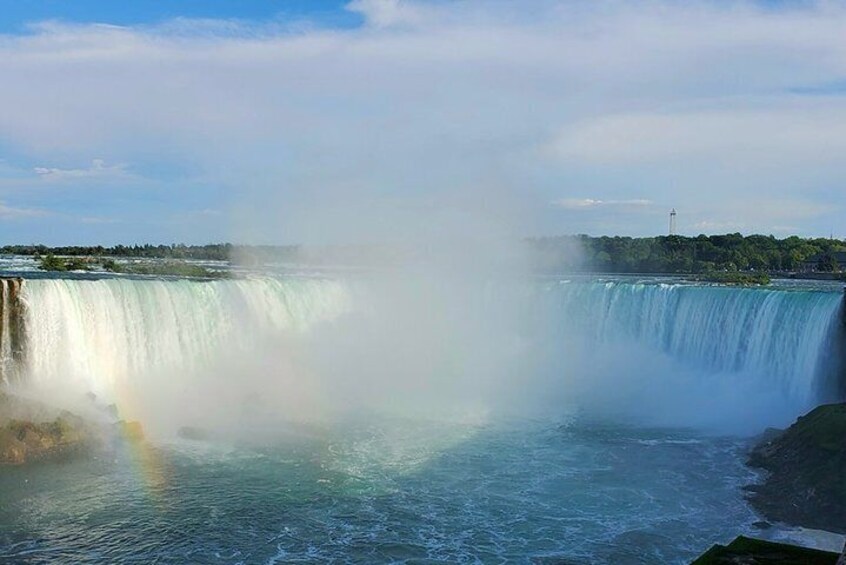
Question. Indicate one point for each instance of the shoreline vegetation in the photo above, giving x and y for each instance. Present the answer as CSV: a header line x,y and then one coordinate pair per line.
x,y
727,259
168,267
734,278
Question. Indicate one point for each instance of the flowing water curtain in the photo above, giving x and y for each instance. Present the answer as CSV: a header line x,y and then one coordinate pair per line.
x,y
96,334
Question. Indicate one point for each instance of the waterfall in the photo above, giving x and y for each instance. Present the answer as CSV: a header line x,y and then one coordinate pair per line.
x,y
93,335
784,338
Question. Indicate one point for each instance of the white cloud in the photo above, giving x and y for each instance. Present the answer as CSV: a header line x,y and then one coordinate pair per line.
x,y
590,203
15,213
806,130
194,215
386,13
98,220
685,104
97,170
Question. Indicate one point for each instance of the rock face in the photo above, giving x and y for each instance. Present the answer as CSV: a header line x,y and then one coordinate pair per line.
x,y
132,431
12,329
25,442
749,551
32,432
806,485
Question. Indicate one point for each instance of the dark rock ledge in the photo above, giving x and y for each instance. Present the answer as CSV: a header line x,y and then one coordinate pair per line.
x,y
804,485
806,472
749,551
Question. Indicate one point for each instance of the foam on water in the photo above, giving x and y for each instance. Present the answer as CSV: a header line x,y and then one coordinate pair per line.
x,y
472,488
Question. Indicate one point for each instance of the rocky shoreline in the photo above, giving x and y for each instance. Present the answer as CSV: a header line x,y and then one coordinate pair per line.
x,y
750,551
805,484
31,431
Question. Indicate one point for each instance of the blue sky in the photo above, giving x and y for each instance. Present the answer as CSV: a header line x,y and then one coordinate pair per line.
x,y
18,14
374,120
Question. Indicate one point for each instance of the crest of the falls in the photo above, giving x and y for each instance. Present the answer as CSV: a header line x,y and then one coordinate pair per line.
x,y
782,338
97,333
657,347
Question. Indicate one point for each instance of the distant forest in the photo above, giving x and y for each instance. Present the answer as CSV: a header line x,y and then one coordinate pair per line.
x,y
680,254
665,254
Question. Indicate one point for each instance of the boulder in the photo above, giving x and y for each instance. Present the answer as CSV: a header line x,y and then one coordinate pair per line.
x,y
26,441
32,431
751,551
131,430
12,450
806,464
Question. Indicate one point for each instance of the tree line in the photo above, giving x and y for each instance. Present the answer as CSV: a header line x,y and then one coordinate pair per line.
x,y
212,251
664,254
680,254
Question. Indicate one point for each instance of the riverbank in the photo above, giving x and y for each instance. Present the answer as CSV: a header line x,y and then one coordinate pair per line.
x,y
805,483
31,431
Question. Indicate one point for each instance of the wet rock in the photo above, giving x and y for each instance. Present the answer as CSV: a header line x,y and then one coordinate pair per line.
x,y
806,482
25,441
750,551
131,430
12,450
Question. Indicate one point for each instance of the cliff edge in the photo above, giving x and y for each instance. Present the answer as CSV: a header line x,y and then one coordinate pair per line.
x,y
806,465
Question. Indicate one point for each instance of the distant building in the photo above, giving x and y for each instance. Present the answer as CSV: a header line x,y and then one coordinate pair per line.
x,y
812,263
673,221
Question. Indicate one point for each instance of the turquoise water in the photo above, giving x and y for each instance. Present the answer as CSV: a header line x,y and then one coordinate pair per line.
x,y
387,492
410,420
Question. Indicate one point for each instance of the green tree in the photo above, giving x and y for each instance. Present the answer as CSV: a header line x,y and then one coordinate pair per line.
x,y
827,263
52,263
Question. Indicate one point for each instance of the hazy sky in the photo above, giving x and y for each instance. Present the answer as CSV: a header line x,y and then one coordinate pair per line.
x,y
320,121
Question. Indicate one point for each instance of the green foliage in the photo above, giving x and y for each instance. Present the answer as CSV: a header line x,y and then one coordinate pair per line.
x,y
78,264
735,278
678,254
169,268
213,251
52,263
827,263
667,254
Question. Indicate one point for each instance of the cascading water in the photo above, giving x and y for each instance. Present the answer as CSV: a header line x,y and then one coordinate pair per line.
x,y
96,335
782,337
241,360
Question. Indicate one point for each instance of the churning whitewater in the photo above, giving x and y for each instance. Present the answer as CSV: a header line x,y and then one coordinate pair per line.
x,y
367,420
102,335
